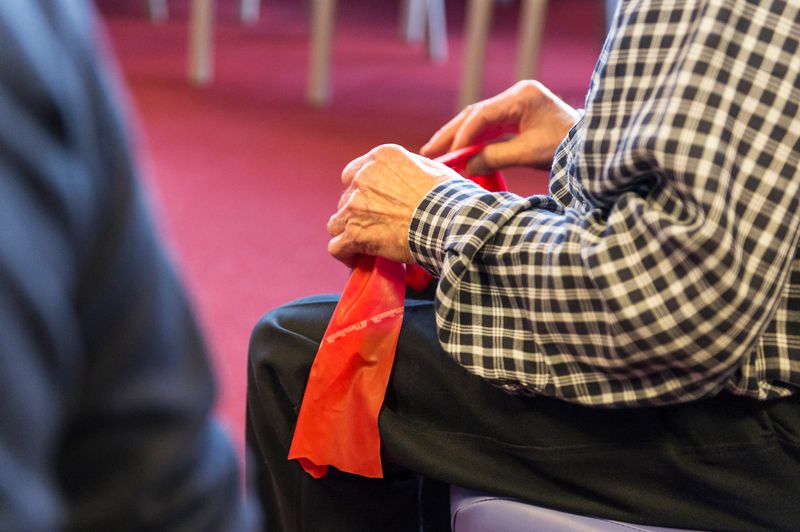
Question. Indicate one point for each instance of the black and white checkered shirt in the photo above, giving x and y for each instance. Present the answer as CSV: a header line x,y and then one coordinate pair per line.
x,y
664,265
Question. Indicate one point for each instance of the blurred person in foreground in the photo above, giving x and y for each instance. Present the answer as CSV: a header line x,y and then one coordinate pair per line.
x,y
626,347
105,387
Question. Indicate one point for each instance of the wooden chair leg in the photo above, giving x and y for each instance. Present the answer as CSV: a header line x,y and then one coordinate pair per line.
x,y
201,46
323,14
531,25
479,18
157,10
249,11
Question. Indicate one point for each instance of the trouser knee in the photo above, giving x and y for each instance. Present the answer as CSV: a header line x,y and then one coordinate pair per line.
x,y
283,345
265,340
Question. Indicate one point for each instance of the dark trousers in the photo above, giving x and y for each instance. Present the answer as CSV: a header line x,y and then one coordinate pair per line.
x,y
724,463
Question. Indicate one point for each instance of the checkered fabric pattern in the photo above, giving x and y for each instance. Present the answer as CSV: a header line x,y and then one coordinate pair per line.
x,y
664,265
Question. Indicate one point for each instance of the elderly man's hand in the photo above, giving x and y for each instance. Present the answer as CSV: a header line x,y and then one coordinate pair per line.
x,y
383,188
537,119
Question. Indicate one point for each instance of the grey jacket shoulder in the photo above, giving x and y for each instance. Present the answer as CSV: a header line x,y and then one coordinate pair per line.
x,y
105,386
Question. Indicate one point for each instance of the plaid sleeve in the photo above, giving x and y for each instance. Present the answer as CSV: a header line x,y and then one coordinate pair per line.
x,y
656,280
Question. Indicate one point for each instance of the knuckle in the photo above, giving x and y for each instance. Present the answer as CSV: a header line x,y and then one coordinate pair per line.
x,y
521,84
360,182
386,150
386,155
354,205
333,225
479,115
477,108
529,88
361,187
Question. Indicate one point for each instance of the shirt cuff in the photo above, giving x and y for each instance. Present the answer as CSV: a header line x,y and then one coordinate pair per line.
x,y
432,218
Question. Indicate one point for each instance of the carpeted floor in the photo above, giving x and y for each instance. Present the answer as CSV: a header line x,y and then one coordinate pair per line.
x,y
244,175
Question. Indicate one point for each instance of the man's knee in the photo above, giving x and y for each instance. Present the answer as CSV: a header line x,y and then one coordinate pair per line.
x,y
267,334
298,324
284,342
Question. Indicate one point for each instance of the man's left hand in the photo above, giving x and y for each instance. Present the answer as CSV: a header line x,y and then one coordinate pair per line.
x,y
383,188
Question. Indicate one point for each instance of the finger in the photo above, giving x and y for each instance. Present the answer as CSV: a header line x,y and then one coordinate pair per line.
x,y
498,155
337,223
354,166
440,142
486,122
346,196
342,249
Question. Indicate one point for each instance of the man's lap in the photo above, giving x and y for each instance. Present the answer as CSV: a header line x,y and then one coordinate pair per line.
x,y
678,465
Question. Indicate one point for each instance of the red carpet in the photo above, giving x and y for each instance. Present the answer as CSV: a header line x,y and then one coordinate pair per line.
x,y
244,175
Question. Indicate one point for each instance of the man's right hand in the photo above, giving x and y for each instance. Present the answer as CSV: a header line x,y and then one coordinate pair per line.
x,y
535,117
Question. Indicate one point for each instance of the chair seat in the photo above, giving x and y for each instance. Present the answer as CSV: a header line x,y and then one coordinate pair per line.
x,y
472,511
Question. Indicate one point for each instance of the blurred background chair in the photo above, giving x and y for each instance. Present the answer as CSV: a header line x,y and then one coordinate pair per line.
x,y
201,32
248,10
531,25
421,19
427,18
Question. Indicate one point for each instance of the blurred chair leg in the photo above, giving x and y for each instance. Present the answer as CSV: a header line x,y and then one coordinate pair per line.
x,y
437,30
479,18
412,20
249,11
531,26
418,15
322,21
157,10
201,33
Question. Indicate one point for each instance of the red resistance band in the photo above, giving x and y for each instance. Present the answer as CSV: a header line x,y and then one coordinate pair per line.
x,y
338,421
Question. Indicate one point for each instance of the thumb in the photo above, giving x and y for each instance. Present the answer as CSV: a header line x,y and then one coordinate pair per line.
x,y
498,155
